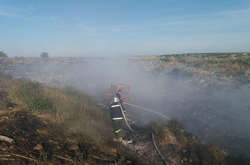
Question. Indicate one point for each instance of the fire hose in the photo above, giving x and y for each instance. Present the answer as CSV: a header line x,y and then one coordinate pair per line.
x,y
153,137
147,110
126,120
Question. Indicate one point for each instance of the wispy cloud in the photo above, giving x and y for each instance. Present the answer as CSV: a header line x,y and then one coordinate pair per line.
x,y
16,13
5,13
235,12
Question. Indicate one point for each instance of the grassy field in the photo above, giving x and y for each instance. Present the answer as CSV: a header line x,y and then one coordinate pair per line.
x,y
234,66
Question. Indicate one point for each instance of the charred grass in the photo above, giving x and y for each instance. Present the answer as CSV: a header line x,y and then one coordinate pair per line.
x,y
180,146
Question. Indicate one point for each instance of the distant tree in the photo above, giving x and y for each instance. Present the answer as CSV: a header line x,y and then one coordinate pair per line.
x,y
2,54
44,55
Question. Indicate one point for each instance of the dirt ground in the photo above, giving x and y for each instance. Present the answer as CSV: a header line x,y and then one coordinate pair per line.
x,y
37,141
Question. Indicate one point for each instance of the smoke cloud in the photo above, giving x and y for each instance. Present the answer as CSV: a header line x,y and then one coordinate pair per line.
x,y
215,114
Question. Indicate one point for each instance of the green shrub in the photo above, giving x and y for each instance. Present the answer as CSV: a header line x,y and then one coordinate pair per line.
x,y
44,55
33,97
2,54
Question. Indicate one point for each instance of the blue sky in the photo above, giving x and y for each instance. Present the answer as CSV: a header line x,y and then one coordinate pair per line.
x,y
123,27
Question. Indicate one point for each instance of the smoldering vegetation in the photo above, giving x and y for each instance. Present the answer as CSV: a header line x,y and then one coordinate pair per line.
x,y
216,114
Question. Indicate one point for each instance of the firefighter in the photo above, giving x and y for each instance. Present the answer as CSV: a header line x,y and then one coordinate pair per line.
x,y
119,95
116,115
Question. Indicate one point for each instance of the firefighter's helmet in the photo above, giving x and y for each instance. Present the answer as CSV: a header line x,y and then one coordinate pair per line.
x,y
116,100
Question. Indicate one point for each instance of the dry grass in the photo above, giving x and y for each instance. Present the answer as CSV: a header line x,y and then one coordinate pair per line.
x,y
73,110
65,123
78,113
33,97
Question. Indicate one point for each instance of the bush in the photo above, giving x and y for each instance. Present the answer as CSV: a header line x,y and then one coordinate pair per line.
x,y
44,55
2,54
32,95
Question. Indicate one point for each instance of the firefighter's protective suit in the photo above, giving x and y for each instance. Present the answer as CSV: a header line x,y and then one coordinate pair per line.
x,y
116,114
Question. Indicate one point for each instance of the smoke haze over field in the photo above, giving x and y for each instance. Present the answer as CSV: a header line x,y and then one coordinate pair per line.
x,y
215,114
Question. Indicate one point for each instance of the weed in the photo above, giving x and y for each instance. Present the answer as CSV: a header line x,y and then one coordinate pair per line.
x,y
32,95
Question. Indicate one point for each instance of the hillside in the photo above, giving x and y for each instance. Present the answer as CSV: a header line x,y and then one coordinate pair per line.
x,y
63,126
60,126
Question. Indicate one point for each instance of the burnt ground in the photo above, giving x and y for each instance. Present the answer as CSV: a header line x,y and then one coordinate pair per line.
x,y
72,130
38,141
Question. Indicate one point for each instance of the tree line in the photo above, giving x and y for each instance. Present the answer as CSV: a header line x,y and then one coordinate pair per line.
x,y
42,55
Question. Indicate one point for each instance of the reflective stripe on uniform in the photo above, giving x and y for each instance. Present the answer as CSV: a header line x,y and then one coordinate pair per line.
x,y
118,131
113,106
117,118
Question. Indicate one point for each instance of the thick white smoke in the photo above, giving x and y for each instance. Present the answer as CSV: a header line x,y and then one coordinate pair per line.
x,y
215,114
